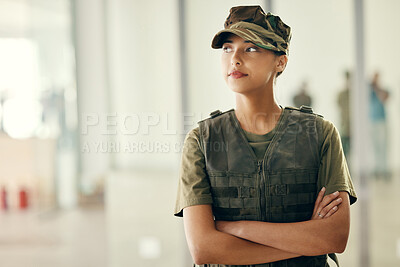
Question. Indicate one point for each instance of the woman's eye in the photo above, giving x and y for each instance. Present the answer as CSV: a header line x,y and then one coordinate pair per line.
x,y
226,49
252,49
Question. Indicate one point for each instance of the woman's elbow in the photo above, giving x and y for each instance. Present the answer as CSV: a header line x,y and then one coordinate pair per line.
x,y
341,239
341,244
201,253
199,259
337,244
202,256
198,255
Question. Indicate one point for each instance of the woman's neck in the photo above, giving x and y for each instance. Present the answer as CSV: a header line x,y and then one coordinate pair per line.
x,y
257,114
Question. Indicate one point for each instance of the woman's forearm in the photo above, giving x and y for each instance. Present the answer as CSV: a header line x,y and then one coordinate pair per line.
x,y
310,238
302,238
221,248
207,245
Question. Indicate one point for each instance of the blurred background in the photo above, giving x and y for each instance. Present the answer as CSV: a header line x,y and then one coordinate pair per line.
x,y
96,97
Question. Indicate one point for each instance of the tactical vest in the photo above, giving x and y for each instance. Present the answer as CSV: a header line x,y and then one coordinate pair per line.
x,y
280,188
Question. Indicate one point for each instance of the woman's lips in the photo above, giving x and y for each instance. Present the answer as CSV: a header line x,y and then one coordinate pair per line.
x,y
237,74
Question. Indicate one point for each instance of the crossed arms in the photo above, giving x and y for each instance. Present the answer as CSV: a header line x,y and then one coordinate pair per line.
x,y
255,242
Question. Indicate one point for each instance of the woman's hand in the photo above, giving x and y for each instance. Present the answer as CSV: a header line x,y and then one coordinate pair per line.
x,y
325,206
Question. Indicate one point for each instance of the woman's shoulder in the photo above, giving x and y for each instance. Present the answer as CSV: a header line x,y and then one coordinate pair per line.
x,y
192,139
194,133
307,111
326,125
328,132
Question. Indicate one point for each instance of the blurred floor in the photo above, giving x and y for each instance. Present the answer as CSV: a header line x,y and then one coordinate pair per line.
x,y
142,230
69,238
385,222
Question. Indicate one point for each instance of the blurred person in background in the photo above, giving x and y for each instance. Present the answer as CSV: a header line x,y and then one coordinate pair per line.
x,y
377,114
262,183
302,98
344,107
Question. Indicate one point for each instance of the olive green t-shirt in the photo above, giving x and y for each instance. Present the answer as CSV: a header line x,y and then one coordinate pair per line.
x,y
194,186
259,143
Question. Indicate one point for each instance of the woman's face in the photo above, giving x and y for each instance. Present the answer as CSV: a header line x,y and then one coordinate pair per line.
x,y
246,67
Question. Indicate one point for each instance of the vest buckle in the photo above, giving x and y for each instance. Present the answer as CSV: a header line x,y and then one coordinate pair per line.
x,y
215,113
306,109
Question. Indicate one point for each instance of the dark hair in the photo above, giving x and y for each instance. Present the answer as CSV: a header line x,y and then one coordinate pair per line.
x,y
277,54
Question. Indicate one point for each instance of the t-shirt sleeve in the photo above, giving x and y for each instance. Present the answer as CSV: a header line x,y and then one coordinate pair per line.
x,y
333,172
193,185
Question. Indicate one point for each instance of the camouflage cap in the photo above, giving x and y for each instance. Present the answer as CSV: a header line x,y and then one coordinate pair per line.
x,y
252,24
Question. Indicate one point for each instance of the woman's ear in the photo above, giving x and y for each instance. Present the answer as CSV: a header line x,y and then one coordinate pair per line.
x,y
281,63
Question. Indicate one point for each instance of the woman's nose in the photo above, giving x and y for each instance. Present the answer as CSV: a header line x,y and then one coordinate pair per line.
x,y
236,59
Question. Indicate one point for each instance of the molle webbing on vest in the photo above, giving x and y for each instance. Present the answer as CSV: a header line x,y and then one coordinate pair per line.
x,y
280,188
233,178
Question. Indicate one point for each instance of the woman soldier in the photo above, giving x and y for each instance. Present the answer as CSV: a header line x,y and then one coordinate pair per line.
x,y
262,184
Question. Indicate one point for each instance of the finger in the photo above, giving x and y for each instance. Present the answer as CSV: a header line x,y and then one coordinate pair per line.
x,y
327,199
331,205
332,211
324,205
317,203
318,216
319,199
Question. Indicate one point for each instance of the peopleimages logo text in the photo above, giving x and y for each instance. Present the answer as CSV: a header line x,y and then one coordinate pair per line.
x,y
138,123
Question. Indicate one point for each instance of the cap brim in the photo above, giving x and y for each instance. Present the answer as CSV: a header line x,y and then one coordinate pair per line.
x,y
246,34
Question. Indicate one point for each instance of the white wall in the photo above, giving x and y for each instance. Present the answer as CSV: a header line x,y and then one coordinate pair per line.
x,y
144,88
92,82
143,45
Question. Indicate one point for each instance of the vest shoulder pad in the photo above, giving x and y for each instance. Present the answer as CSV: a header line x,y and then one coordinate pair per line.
x,y
305,109
216,113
